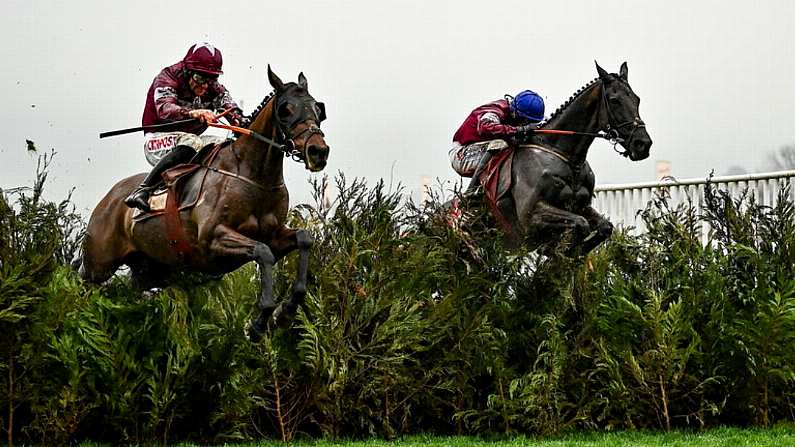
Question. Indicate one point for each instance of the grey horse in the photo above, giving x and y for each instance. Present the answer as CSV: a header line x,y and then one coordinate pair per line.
x,y
552,184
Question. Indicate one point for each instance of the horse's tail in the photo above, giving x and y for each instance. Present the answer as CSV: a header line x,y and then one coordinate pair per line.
x,y
77,261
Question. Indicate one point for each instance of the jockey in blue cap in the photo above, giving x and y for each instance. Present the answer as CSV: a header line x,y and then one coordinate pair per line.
x,y
487,127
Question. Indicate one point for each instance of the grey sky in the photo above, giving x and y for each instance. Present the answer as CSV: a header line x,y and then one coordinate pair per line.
x,y
715,78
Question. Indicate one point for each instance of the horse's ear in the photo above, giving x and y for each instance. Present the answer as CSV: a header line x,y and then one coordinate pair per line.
x,y
602,73
274,80
302,81
623,71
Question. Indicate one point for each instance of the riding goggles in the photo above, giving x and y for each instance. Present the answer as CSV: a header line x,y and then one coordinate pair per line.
x,y
202,79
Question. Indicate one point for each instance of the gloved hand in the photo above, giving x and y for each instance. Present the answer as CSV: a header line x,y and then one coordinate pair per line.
x,y
203,115
236,119
527,129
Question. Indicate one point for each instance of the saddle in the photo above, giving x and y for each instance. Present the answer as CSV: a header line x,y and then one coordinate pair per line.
x,y
173,197
173,180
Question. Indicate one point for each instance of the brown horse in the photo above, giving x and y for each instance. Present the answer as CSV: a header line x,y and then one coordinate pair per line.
x,y
239,213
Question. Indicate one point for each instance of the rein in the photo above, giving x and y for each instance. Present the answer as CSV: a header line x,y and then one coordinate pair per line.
x,y
611,132
610,135
288,147
251,133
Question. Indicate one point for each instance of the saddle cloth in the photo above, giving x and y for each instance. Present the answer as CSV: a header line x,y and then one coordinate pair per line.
x,y
496,181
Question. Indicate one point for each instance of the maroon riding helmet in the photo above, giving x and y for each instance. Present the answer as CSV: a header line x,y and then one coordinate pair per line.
x,y
204,58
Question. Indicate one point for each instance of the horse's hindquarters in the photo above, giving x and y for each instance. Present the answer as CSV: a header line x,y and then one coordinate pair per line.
x,y
107,240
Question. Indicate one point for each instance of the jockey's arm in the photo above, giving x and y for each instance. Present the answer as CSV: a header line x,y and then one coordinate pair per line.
x,y
490,127
167,107
224,101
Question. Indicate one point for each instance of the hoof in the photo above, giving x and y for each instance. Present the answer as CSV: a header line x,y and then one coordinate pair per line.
x,y
283,315
149,294
252,332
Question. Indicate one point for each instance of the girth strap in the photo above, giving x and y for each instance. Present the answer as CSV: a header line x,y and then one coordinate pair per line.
x,y
175,231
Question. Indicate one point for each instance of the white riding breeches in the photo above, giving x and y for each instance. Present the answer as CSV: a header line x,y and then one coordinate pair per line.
x,y
158,144
465,159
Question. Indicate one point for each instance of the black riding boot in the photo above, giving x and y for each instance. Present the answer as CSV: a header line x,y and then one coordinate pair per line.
x,y
474,184
140,197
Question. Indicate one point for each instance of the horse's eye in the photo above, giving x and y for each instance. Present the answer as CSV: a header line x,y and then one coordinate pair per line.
x,y
284,112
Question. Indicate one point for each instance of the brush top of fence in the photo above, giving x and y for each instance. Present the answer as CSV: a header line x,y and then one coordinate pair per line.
x,y
697,181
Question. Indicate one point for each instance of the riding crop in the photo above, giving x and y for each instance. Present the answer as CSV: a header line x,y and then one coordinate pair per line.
x,y
154,127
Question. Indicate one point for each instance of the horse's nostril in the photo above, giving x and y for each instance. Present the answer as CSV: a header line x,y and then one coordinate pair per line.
x,y
317,152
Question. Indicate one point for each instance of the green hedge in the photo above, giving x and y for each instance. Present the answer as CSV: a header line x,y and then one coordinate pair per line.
x,y
409,326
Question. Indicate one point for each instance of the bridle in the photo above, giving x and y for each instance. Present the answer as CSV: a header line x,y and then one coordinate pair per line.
x,y
282,131
284,128
614,131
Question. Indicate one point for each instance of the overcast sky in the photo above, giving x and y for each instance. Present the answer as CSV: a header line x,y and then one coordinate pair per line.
x,y
716,78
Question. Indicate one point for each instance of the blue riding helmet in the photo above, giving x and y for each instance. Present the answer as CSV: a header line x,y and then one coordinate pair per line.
x,y
528,104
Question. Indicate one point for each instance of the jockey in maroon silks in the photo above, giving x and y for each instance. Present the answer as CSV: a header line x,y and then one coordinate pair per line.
x,y
187,89
487,127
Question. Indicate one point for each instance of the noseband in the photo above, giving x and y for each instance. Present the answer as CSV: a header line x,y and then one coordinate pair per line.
x,y
614,131
285,129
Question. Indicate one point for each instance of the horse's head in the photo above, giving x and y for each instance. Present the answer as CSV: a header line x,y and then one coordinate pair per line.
x,y
620,114
297,116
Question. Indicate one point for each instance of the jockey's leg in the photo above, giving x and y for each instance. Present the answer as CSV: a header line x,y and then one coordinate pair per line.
x,y
140,197
479,155
474,184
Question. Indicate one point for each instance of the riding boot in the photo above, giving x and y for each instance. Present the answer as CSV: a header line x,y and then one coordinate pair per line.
x,y
474,184
140,197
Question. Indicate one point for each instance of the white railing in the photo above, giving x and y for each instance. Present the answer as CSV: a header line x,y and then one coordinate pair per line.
x,y
621,202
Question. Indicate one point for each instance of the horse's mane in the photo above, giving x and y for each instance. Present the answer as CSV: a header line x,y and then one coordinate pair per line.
x,y
563,106
261,106
265,102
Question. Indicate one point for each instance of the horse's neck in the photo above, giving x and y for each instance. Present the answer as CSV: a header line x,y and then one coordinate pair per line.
x,y
581,115
260,161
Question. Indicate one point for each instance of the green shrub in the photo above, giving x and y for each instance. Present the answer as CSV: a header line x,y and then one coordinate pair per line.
x,y
409,325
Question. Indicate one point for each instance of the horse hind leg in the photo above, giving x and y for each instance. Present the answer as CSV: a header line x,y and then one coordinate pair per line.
x,y
145,273
554,224
602,228
97,265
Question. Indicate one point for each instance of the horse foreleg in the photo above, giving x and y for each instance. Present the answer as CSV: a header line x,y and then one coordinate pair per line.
x,y
284,243
228,242
146,274
601,227
550,223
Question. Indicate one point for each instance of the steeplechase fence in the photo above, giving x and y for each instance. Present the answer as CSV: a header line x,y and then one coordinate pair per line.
x,y
622,202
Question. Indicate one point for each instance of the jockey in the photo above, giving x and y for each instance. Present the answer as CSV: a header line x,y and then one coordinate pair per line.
x,y
187,89
487,127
